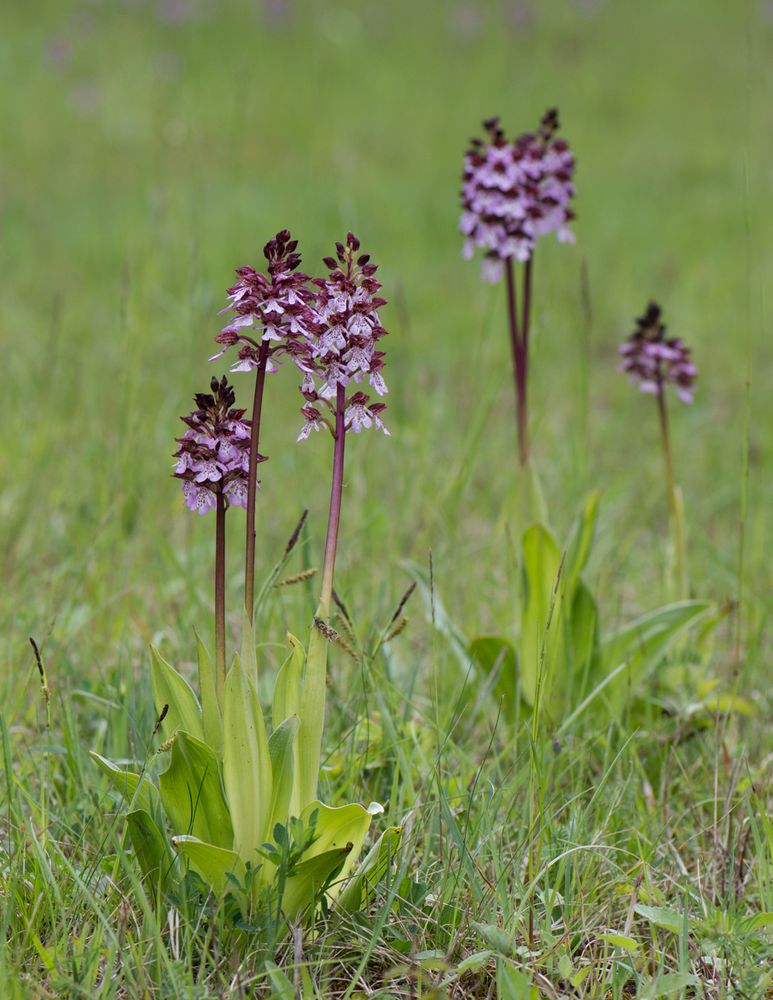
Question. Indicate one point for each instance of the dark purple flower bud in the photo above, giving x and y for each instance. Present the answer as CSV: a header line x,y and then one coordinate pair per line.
x,y
515,192
654,360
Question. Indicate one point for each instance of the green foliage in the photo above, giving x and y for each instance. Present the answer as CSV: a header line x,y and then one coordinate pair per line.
x,y
230,806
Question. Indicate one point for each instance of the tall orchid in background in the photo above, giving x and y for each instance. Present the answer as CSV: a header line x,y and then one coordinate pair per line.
x,y
344,336
655,361
512,194
275,308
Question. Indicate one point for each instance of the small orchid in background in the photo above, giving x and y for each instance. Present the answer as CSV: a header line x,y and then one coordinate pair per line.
x,y
512,194
656,361
270,318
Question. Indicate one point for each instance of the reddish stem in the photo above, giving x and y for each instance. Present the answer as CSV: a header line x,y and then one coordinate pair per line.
x,y
519,364
252,480
220,594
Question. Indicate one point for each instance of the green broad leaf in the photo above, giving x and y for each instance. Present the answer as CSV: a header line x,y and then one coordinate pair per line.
x,y
337,827
312,716
585,639
311,877
671,982
628,944
641,644
150,847
169,688
246,760
287,690
281,987
493,654
660,916
214,864
361,886
541,628
512,984
192,793
495,937
211,709
140,793
580,542
281,750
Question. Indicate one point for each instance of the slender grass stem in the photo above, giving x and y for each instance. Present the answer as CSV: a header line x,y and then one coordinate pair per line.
x,y
257,406
220,596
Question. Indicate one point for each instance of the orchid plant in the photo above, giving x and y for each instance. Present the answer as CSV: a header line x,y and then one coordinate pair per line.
x,y
655,361
242,804
512,194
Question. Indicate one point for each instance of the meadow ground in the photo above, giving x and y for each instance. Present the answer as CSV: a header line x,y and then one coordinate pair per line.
x,y
151,146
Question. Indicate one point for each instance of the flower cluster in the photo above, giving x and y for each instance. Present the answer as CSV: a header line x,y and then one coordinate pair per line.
x,y
656,360
274,305
344,335
213,456
515,192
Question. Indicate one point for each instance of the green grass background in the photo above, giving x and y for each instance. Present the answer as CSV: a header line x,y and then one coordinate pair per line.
x,y
148,149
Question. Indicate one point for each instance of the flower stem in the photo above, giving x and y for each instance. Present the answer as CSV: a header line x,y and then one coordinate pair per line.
x,y
666,441
525,321
220,596
518,364
257,406
676,510
312,713
334,516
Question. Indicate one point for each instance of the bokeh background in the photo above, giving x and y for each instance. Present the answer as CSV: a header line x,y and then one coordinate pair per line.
x,y
151,146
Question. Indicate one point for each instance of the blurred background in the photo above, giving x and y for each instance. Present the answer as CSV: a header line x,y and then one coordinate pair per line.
x,y
151,146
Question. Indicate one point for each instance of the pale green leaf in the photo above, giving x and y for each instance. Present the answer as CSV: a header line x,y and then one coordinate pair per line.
x,y
287,690
246,760
212,863
336,827
142,796
628,944
169,688
660,916
150,847
281,750
540,618
192,793
211,709
372,869
310,877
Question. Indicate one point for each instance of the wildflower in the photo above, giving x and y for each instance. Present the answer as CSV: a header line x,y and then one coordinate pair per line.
x,y
515,192
213,457
656,360
270,308
343,338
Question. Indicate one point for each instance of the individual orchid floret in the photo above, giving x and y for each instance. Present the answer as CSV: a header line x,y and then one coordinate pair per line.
x,y
213,457
654,360
515,192
271,308
343,340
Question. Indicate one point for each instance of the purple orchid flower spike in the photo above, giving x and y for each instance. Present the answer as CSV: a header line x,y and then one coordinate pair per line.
x,y
512,194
